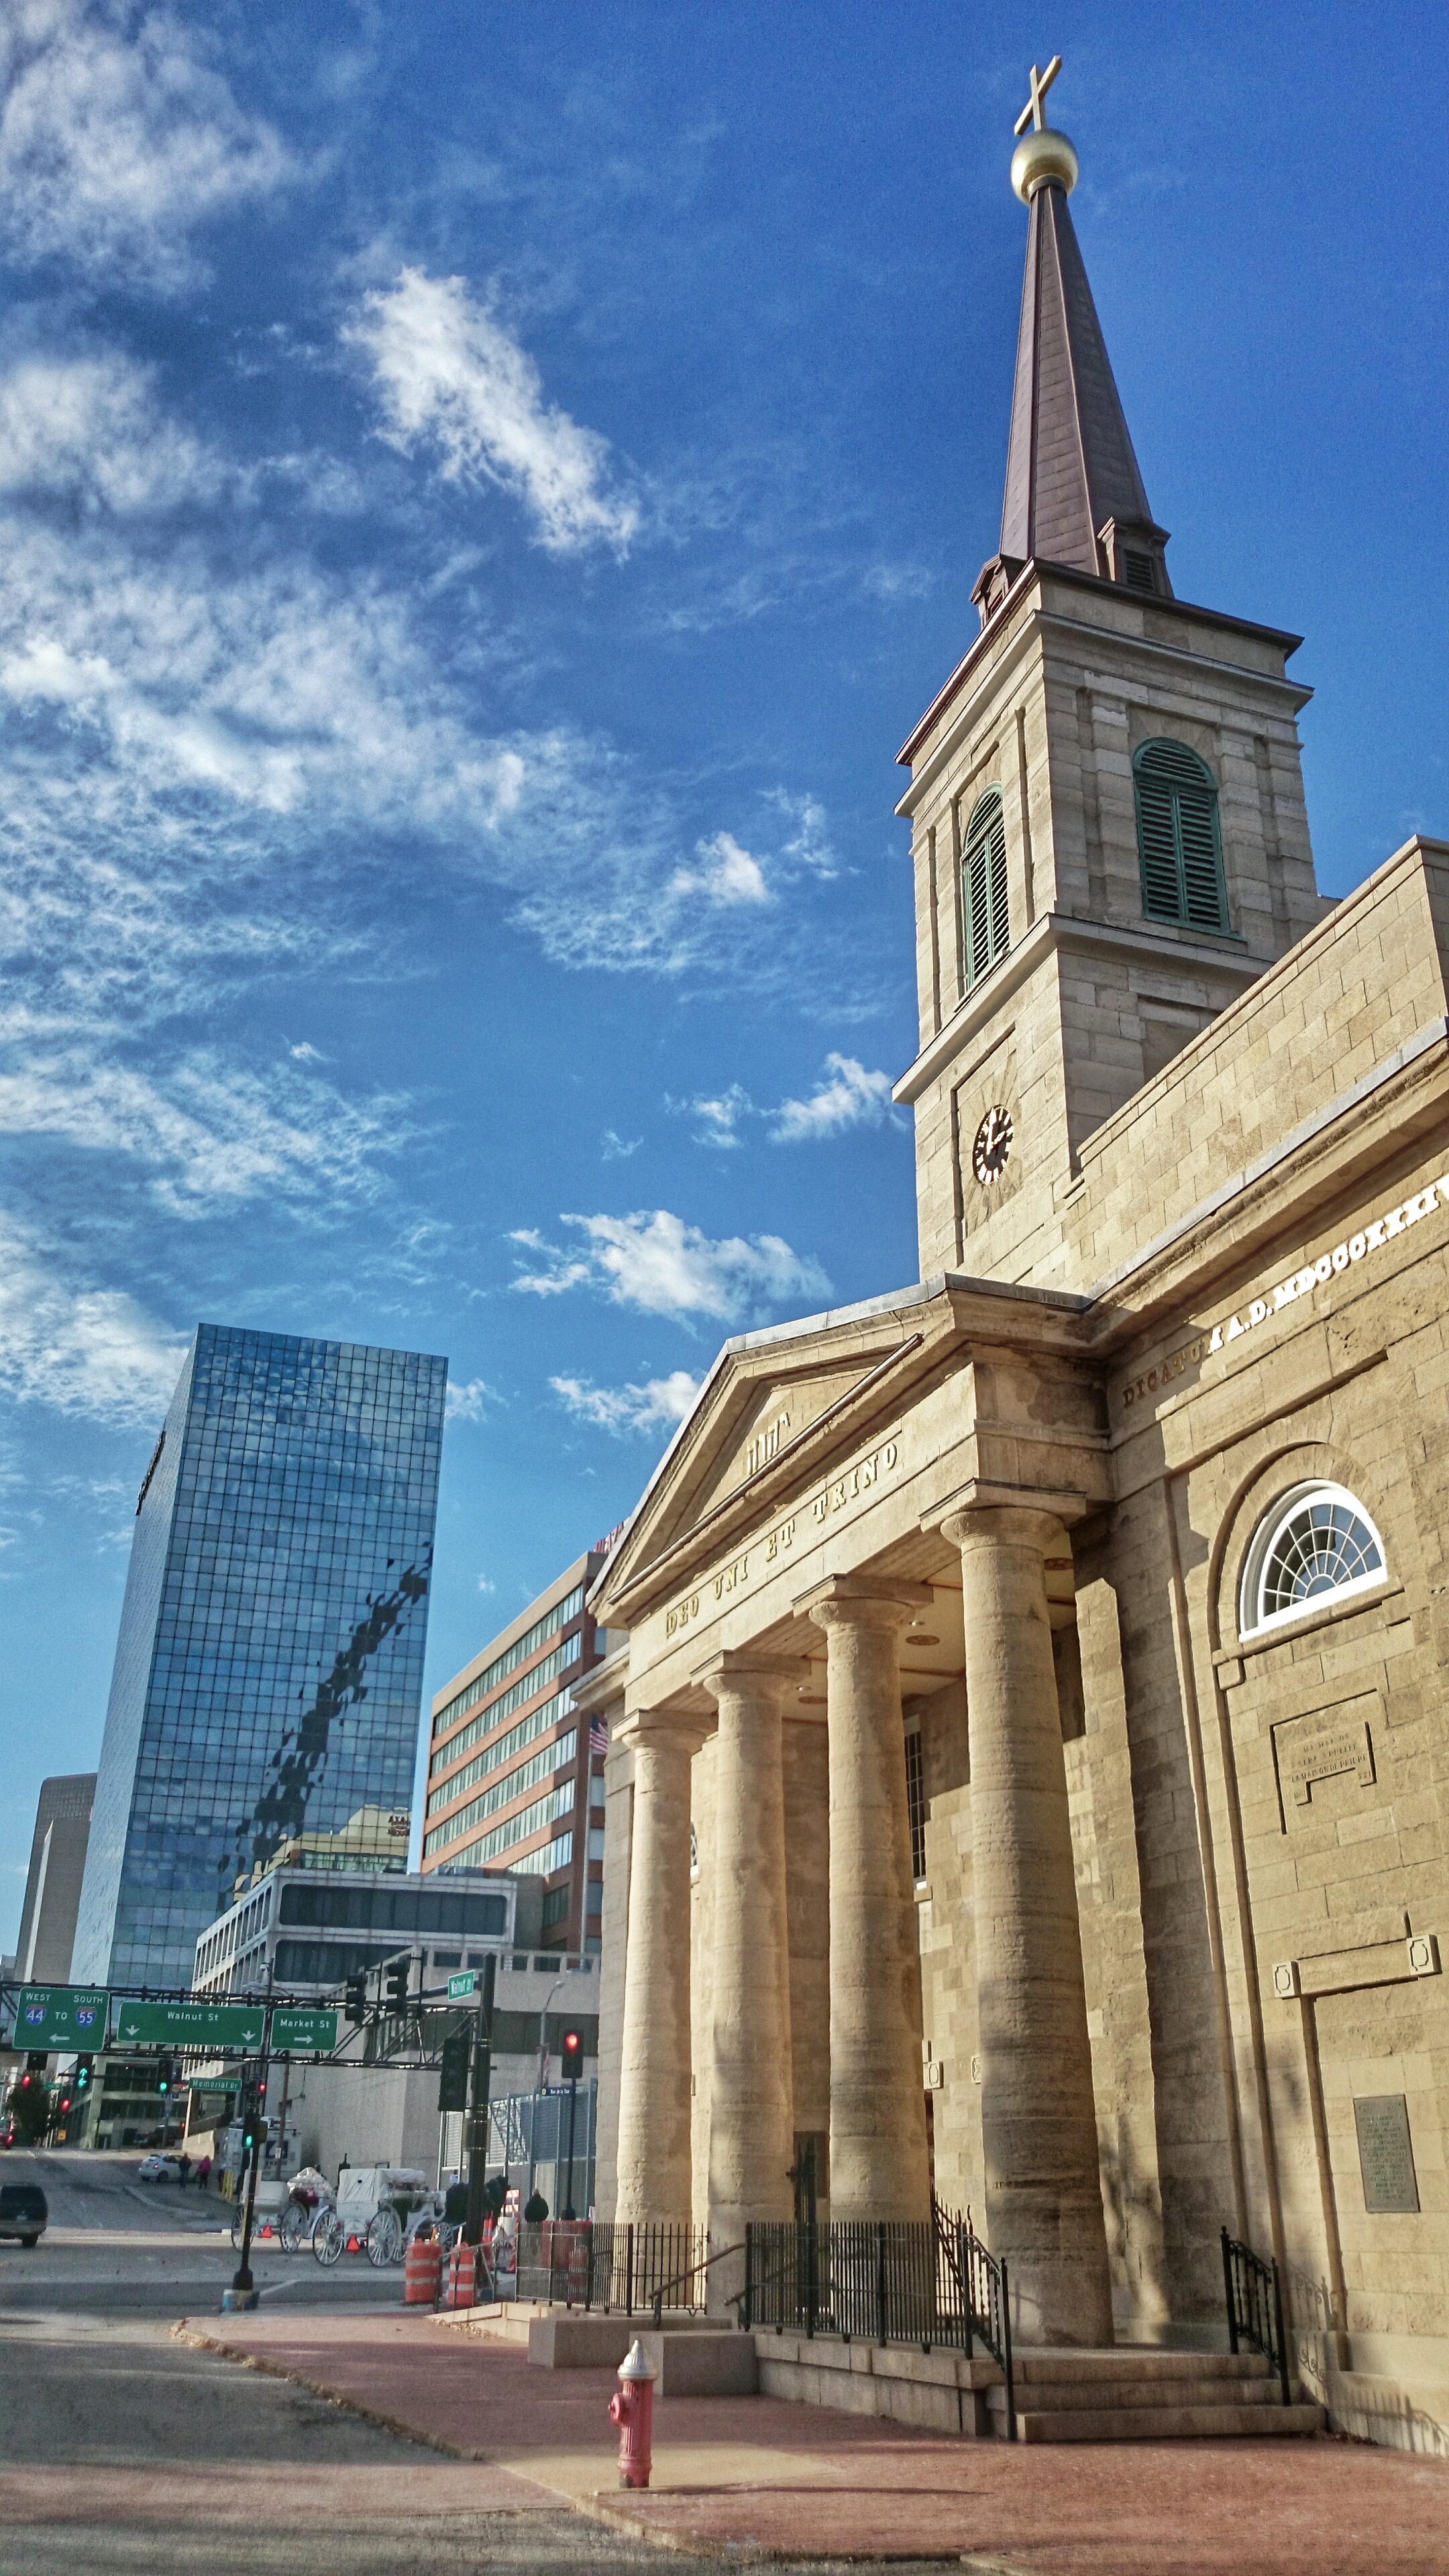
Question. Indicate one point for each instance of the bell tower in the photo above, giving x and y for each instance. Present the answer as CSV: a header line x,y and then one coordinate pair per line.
x,y
1106,800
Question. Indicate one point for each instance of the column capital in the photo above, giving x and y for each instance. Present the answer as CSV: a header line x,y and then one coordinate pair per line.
x,y
863,1601
1013,1513
667,1728
735,1664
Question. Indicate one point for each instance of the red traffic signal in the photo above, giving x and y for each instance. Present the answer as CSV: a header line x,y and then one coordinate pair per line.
x,y
573,2049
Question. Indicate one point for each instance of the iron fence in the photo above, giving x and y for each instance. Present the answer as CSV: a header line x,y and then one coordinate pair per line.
x,y
893,2281
1255,2306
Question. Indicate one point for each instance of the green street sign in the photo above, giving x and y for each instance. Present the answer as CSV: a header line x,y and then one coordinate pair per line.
x,y
60,2017
462,1986
215,2083
198,2025
303,2029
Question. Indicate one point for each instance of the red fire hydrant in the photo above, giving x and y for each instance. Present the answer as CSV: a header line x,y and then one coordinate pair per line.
x,y
632,2409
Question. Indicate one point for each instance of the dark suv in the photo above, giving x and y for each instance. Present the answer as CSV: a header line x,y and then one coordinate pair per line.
x,y
23,2211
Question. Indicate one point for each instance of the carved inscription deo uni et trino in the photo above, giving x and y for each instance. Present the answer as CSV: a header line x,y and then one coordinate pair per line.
x,y
836,1496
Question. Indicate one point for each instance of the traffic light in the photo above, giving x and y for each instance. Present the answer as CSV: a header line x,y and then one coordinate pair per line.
x,y
85,2068
573,2050
356,2006
251,2111
453,2070
35,2062
398,1979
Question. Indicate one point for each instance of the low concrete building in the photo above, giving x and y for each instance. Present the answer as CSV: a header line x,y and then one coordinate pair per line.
x,y
307,1930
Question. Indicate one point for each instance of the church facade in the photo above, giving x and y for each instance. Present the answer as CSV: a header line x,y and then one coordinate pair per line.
x,y
1029,1765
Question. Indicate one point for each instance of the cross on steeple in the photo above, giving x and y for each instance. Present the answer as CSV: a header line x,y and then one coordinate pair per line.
x,y
1034,112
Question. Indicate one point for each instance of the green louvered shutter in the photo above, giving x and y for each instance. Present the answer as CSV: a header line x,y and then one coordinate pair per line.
x,y
1177,838
983,887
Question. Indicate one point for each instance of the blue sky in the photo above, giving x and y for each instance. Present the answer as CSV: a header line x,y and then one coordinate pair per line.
x,y
486,491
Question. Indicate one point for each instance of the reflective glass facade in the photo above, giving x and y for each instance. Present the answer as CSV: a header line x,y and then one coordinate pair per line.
x,y
268,1672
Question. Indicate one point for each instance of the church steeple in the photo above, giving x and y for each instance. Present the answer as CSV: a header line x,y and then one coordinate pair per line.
x,y
1074,492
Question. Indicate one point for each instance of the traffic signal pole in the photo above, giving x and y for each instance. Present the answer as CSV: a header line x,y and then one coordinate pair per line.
x,y
478,2100
242,2293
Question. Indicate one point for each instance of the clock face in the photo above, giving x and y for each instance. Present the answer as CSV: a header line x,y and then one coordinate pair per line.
x,y
992,1146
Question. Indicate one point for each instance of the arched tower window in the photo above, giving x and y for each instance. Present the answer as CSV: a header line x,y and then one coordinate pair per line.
x,y
1178,841
983,887
1316,1543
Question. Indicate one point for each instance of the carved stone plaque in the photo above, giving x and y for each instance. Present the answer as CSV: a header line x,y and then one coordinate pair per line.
x,y
1385,2153
1321,1747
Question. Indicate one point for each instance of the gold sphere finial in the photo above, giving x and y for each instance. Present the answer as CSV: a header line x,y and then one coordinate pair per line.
x,y
1043,155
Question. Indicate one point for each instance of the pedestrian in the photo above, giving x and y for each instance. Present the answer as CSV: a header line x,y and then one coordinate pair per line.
x,y
183,2170
203,2174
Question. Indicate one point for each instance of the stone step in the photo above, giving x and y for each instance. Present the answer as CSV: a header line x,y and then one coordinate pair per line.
x,y
1165,2423
1202,2390
1126,2360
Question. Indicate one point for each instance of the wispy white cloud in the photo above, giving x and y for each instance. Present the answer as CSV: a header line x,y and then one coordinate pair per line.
x,y
657,1405
723,873
719,1117
847,1097
118,135
809,845
466,1403
615,1148
656,1263
450,377
89,431
84,1350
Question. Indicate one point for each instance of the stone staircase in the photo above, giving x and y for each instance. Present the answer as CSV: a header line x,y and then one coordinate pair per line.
x,y
1139,2393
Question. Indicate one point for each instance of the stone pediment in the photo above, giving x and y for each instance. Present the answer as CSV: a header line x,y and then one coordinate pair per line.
x,y
766,1415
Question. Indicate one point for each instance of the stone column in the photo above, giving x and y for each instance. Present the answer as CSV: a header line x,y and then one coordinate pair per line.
x,y
751,2133
1043,2189
878,2159
654,2073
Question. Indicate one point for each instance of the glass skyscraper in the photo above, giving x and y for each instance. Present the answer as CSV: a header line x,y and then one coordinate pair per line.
x,y
268,1673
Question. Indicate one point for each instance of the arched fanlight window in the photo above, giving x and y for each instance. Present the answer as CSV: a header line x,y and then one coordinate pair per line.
x,y
1178,841
983,886
1316,1544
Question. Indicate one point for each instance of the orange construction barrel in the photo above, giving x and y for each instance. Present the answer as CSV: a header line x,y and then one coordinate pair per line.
x,y
462,2276
422,2272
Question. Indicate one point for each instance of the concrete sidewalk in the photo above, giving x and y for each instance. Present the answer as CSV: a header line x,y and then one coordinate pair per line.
x,y
754,2477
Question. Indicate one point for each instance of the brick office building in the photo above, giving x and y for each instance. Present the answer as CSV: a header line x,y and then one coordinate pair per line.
x,y
515,1779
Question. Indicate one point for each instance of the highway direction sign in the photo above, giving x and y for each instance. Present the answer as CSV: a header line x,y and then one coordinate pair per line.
x,y
462,1986
198,2025
303,2030
61,2017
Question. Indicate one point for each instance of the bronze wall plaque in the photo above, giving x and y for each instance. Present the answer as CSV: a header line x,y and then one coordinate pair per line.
x,y
1385,2154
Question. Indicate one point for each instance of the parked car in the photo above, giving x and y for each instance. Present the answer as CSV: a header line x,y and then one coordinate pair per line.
x,y
160,2169
24,2211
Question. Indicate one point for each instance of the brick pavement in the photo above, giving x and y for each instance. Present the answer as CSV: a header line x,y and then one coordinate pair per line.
x,y
753,2476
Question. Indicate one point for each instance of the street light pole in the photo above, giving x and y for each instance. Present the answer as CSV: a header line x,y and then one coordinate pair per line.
x,y
538,2087
242,2293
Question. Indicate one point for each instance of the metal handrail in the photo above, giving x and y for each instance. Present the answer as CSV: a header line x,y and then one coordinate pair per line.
x,y
1255,2306
977,2319
703,2265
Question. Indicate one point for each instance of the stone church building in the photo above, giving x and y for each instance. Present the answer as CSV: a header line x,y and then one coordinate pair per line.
x,y
1029,1762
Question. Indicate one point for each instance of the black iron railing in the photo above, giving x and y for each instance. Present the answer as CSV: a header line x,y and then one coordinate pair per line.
x,y
633,2267
889,2281
1255,2307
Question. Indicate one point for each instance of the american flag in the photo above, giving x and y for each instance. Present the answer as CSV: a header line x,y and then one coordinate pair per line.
x,y
599,1736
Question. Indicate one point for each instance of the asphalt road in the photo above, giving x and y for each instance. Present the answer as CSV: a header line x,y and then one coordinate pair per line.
x,y
125,2451
126,2247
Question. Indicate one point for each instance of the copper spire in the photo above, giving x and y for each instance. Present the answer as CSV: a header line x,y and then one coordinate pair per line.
x,y
1074,494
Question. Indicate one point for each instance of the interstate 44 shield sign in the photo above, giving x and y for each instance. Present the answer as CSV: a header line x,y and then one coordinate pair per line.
x,y
61,2017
